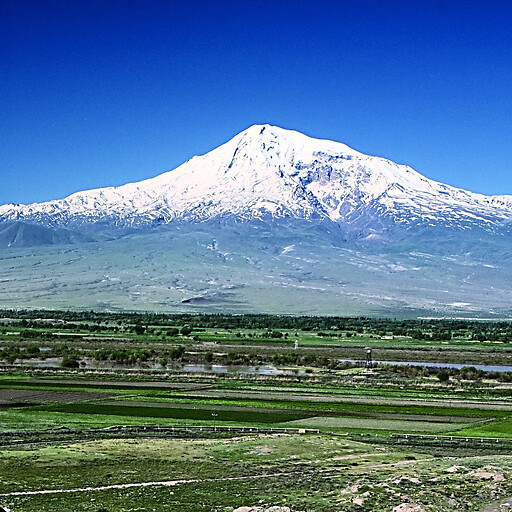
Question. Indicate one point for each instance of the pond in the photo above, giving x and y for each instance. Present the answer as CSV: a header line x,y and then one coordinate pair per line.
x,y
265,369
458,366
92,364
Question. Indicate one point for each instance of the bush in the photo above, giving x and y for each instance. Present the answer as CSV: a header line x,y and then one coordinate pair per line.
x,y
139,329
69,362
443,376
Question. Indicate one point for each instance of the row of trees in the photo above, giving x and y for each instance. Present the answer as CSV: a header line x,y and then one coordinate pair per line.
x,y
172,325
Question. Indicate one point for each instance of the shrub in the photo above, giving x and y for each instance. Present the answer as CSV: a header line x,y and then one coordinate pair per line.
x,y
443,376
69,362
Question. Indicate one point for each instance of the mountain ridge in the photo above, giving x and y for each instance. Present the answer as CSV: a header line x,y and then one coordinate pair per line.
x,y
269,172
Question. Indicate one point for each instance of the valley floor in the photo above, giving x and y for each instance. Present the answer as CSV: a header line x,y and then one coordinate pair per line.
x,y
327,436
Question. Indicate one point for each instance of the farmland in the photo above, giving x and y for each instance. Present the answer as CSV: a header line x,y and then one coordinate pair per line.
x,y
131,412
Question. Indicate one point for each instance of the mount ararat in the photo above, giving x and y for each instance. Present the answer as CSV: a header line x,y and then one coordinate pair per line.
x,y
271,221
269,172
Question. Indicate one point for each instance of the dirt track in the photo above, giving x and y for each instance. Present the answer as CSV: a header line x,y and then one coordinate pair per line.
x,y
165,483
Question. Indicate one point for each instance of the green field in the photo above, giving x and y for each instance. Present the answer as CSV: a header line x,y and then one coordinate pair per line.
x,y
61,385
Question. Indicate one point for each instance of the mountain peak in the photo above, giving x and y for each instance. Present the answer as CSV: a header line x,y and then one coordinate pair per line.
x,y
284,136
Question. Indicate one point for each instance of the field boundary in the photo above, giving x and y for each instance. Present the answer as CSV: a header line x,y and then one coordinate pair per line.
x,y
441,439
65,433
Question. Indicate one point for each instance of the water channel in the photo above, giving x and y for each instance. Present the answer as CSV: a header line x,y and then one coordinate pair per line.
x,y
266,369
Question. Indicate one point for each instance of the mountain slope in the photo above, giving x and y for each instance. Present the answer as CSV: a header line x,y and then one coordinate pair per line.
x,y
22,234
285,266
269,172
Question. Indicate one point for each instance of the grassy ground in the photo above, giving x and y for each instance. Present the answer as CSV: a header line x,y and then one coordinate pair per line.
x,y
371,424
354,463
306,473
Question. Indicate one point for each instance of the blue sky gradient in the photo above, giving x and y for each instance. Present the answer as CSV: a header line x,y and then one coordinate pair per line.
x,y
102,93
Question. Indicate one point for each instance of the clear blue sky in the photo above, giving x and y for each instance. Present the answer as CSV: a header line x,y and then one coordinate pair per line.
x,y
98,93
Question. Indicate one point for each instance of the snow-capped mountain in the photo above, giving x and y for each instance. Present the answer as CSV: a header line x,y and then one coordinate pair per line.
x,y
267,171
314,215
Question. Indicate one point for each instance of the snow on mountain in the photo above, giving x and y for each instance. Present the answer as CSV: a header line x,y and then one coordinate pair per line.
x,y
268,171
